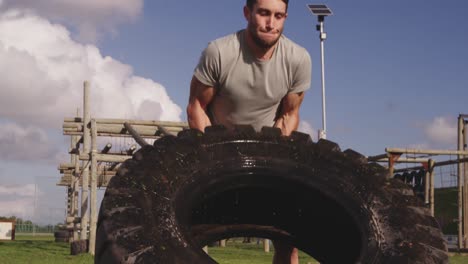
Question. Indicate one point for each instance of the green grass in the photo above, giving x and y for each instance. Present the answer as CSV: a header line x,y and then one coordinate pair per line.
x,y
42,249
446,209
240,253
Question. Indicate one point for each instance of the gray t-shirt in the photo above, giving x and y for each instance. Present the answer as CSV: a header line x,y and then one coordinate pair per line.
x,y
249,90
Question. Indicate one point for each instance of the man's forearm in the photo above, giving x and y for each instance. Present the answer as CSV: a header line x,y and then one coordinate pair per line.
x,y
197,117
287,123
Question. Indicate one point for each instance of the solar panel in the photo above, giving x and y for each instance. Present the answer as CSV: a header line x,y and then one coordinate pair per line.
x,y
317,6
320,10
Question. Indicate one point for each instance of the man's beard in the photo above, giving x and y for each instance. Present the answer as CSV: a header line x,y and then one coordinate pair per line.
x,y
261,43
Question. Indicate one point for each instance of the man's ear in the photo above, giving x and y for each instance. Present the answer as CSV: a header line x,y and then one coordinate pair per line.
x,y
247,13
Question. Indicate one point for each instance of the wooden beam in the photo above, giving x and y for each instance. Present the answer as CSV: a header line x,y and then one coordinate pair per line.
x,y
136,136
107,157
461,241
102,181
426,151
106,148
377,157
130,121
85,173
93,203
464,176
75,182
437,164
431,185
404,160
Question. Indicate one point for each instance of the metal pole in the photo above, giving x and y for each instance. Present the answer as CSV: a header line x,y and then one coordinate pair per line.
x,y
460,185
323,36
85,173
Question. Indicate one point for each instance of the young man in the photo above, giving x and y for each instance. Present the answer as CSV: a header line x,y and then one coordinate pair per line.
x,y
255,76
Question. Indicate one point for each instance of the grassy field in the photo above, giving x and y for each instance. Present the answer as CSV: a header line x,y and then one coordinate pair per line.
x,y
43,250
38,249
446,209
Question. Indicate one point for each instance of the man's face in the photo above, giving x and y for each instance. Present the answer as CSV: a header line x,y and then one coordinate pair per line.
x,y
266,21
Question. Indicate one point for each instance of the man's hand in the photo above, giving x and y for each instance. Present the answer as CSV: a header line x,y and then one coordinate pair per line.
x,y
200,96
288,120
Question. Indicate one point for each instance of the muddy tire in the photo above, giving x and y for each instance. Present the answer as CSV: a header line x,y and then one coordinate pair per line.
x,y
184,192
62,236
79,247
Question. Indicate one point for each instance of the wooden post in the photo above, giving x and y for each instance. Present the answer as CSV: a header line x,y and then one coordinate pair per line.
x,y
427,187
93,205
71,191
465,189
392,158
85,171
460,185
266,245
390,165
75,186
431,164
76,181
69,207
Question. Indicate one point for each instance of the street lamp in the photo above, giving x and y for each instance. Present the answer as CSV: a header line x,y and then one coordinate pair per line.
x,y
321,11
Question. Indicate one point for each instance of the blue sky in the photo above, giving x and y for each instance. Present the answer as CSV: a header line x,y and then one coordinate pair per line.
x,y
391,66
396,73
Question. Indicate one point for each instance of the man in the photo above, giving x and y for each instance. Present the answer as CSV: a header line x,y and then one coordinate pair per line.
x,y
255,76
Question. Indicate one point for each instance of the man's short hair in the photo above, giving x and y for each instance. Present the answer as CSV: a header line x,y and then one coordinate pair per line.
x,y
250,3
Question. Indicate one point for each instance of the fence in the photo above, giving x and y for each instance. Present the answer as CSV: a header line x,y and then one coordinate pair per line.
x,y
30,228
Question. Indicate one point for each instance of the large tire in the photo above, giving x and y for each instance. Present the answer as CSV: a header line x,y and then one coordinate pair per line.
x,y
187,191
62,236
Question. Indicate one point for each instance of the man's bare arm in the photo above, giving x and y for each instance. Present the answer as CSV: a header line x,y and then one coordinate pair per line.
x,y
200,96
288,120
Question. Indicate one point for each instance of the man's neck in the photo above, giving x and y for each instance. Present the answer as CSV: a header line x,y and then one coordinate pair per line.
x,y
259,52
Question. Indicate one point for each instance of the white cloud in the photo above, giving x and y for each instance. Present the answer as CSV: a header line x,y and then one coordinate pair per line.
x,y
42,70
24,143
19,190
41,74
419,146
306,127
89,17
442,130
17,200
31,202
21,207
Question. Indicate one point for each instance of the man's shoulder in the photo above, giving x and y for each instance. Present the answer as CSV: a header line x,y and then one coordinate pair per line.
x,y
292,48
228,41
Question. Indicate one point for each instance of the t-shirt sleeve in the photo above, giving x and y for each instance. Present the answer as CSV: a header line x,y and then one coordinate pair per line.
x,y
207,70
302,74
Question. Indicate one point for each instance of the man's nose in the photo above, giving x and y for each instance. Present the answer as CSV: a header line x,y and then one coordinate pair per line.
x,y
270,23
